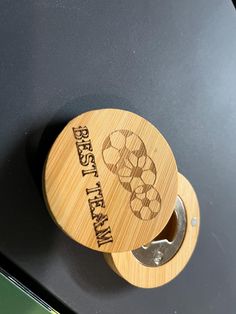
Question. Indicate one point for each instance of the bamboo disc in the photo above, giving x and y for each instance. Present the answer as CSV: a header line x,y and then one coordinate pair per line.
x,y
128,267
110,180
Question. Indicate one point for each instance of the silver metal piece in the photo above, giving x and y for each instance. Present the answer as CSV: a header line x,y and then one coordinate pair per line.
x,y
146,246
158,255
158,252
194,221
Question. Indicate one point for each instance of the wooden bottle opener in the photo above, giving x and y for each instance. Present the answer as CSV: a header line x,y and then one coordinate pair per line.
x,y
111,183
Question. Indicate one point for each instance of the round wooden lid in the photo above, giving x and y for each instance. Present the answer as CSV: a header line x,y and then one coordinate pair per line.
x,y
110,180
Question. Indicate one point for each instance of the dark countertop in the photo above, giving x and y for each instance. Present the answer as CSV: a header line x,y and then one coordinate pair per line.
x,y
172,62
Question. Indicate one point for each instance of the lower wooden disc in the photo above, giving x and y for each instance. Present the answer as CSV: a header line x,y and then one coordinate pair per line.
x,y
136,273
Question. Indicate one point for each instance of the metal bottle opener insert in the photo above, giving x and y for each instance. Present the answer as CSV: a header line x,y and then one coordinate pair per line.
x,y
167,243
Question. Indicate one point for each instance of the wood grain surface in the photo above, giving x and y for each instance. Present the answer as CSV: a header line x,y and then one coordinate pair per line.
x,y
110,180
129,268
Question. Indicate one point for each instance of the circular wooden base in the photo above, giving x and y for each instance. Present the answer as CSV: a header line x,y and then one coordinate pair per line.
x,y
129,268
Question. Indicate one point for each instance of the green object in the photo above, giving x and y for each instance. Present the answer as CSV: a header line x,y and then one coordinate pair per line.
x,y
17,299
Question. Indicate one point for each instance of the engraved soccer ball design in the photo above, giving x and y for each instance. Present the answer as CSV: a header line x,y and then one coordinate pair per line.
x,y
137,171
118,146
124,153
145,202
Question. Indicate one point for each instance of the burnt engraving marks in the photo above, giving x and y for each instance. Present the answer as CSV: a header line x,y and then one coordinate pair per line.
x,y
95,196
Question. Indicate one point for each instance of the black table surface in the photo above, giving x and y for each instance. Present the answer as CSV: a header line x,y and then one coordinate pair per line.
x,y
173,62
